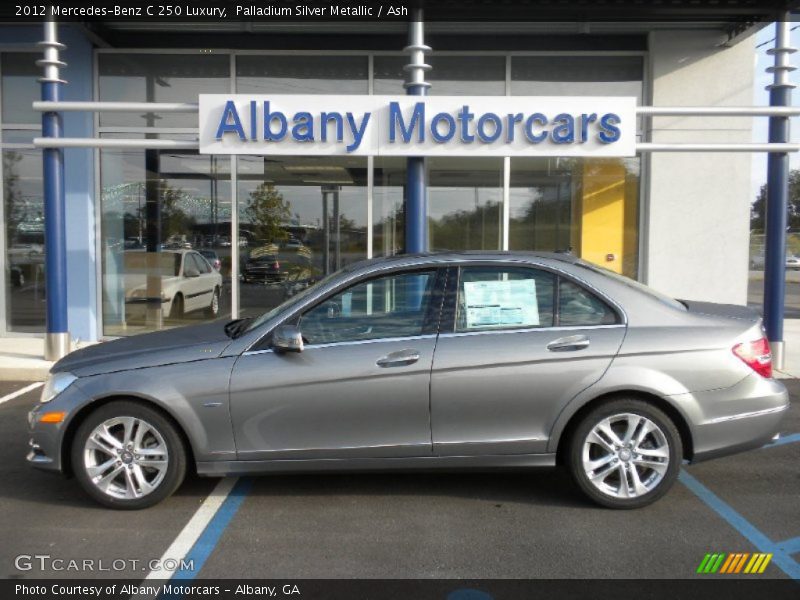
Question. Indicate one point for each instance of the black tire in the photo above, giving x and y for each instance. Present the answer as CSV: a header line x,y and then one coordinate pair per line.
x,y
211,311
176,459
176,310
575,449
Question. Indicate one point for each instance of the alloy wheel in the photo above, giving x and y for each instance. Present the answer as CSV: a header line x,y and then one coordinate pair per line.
x,y
126,457
625,455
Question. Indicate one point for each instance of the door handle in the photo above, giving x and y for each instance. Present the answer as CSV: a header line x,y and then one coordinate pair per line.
x,y
401,358
570,343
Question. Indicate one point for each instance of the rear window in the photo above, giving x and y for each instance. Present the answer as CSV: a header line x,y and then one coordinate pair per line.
x,y
632,283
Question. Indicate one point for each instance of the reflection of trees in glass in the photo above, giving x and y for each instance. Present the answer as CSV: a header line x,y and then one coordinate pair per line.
x,y
176,209
758,211
15,211
175,221
476,229
267,212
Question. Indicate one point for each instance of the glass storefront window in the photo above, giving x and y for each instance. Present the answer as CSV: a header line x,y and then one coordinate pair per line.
x,y
165,231
159,77
588,206
300,218
20,87
577,76
450,76
24,232
465,198
276,74
387,206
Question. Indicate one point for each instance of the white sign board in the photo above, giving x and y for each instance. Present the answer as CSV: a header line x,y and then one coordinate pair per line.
x,y
329,125
510,303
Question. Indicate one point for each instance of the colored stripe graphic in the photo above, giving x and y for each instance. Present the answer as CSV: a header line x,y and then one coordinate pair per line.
x,y
703,563
735,562
727,564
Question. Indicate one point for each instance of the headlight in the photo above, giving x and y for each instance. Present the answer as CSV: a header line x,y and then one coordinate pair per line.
x,y
55,384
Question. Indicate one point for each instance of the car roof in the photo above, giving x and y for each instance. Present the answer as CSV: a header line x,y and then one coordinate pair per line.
x,y
464,256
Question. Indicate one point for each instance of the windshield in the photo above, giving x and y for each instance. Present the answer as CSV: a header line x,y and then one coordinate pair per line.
x,y
632,283
286,304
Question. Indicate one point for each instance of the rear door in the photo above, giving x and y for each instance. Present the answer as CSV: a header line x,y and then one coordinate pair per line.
x,y
516,344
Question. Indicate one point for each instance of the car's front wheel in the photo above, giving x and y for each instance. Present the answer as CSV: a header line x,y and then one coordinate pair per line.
x,y
213,307
625,453
128,456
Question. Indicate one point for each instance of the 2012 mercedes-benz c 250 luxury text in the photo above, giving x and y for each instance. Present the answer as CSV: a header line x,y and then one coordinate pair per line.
x,y
457,360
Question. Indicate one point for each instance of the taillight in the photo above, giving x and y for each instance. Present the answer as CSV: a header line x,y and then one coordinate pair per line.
x,y
756,355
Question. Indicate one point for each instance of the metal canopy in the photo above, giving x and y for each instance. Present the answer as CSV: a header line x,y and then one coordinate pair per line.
x,y
455,18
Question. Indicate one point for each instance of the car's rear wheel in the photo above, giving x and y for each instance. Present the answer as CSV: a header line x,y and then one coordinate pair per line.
x,y
176,310
127,455
213,307
625,453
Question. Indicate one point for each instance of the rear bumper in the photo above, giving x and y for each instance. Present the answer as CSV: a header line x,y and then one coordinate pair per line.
x,y
735,419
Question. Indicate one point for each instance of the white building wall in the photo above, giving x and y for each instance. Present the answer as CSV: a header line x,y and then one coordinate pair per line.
x,y
697,212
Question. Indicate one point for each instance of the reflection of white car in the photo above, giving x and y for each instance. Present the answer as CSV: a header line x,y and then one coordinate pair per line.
x,y
182,281
757,262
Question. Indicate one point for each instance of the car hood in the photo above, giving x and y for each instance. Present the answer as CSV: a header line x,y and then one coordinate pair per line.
x,y
182,344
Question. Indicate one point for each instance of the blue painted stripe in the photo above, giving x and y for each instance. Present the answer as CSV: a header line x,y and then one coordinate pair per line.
x,y
791,546
787,439
742,525
208,540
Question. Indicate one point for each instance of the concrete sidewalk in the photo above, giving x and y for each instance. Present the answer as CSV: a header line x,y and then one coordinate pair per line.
x,y
21,358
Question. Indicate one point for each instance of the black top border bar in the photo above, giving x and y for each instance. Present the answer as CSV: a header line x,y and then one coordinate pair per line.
x,y
733,12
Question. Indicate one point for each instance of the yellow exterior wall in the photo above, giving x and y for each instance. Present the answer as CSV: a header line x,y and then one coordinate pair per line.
x,y
602,214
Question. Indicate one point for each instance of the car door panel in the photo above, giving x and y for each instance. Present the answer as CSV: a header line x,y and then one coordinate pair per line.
x,y
333,402
504,367
500,392
361,385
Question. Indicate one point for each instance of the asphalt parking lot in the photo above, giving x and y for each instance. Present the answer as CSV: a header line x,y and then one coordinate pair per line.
x,y
528,524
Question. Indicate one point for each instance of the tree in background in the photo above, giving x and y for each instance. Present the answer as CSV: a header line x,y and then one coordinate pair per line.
x,y
268,212
758,211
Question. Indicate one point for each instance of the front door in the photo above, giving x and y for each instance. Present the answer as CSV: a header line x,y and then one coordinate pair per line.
x,y
361,386
521,344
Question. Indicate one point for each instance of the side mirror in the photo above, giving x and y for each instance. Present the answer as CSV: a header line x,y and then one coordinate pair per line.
x,y
287,338
191,272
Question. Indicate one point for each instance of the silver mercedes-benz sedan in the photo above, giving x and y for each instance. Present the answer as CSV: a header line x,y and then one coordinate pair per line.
x,y
460,360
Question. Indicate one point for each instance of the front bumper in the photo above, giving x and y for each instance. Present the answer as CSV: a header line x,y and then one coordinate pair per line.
x,y
742,417
46,439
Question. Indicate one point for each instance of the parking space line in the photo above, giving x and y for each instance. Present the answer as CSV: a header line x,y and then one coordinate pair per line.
x,y
206,543
780,557
787,439
184,543
791,546
19,393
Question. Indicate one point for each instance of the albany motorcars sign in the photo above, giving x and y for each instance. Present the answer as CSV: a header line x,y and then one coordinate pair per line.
x,y
295,124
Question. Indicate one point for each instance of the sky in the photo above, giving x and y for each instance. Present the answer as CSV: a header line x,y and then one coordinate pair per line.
x,y
765,41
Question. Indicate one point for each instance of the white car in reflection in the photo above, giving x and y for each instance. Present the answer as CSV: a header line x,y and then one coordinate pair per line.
x,y
180,282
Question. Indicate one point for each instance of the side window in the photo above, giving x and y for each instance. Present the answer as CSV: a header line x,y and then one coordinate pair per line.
x,y
384,307
202,263
504,298
577,307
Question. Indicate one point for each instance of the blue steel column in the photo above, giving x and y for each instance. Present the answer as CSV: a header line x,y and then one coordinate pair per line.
x,y
416,208
57,344
780,94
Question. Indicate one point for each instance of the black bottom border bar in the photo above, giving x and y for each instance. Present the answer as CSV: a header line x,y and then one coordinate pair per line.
x,y
709,588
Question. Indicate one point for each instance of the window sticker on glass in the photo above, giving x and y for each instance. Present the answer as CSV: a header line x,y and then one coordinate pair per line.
x,y
501,303
347,304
